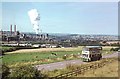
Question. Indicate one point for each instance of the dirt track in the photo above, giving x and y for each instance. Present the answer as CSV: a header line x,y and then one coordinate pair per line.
x,y
60,65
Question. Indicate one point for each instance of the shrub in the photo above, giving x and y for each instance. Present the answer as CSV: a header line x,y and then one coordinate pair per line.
x,y
24,72
75,56
5,71
64,57
72,67
114,49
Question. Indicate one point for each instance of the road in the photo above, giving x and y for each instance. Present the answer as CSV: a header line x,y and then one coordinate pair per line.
x,y
58,65
63,64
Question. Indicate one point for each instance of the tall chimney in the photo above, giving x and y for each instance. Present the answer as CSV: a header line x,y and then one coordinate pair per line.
x,y
11,29
14,28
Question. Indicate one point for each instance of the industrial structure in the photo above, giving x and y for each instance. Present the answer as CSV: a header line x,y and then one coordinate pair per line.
x,y
10,35
14,36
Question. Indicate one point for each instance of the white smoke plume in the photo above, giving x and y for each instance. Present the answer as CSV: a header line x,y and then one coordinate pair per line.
x,y
34,18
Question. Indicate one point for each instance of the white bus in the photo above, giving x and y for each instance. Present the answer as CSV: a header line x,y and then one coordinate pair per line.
x,y
91,53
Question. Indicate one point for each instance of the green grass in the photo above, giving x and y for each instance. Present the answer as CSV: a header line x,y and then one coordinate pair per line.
x,y
25,57
22,57
106,50
5,48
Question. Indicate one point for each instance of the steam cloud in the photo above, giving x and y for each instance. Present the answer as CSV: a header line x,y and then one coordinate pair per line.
x,y
34,18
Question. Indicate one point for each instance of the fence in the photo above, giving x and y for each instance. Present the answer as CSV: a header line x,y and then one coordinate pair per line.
x,y
81,70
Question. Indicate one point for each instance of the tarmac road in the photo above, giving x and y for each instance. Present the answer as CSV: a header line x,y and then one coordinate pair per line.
x,y
63,64
58,65
116,54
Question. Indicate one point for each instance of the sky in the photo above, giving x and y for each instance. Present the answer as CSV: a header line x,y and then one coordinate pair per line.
x,y
63,17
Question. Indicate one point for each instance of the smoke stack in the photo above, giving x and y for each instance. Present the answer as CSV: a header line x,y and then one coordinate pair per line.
x,y
11,29
41,36
15,28
47,35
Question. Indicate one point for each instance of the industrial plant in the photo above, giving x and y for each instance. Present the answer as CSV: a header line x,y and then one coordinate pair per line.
x,y
14,37
17,38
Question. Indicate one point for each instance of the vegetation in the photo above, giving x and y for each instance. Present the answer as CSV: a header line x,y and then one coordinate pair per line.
x,y
43,56
4,49
107,49
35,58
22,62
27,71
72,49
5,71
115,49
109,70
21,72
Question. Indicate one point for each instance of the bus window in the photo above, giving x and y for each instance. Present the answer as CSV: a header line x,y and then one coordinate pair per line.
x,y
90,55
85,49
85,55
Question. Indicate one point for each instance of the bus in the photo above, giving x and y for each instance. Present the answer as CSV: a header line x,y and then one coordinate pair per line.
x,y
91,53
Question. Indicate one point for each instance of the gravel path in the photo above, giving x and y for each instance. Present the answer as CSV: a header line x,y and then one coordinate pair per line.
x,y
61,65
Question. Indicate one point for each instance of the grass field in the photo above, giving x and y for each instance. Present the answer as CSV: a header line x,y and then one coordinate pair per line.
x,y
47,50
79,49
109,70
5,48
35,56
32,57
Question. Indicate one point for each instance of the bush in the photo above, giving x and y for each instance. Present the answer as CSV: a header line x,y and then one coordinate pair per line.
x,y
5,71
114,49
24,72
75,56
72,67
64,57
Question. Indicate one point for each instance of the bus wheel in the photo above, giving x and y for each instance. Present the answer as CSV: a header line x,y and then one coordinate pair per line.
x,y
99,58
91,59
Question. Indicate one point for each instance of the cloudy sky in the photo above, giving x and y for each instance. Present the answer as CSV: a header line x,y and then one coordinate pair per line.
x,y
63,17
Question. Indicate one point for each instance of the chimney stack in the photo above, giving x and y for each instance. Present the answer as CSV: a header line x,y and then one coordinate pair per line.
x,y
15,31
11,29
15,28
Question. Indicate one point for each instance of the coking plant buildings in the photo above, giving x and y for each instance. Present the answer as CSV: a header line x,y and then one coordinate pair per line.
x,y
14,36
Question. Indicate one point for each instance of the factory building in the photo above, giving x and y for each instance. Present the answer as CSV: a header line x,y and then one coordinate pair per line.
x,y
15,36
10,35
